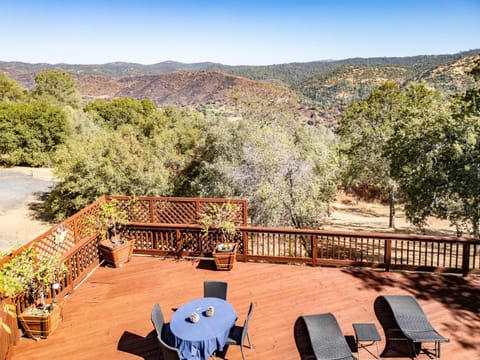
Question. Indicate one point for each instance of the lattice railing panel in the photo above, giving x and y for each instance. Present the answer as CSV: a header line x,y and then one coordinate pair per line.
x,y
83,259
139,211
192,243
172,212
238,208
85,220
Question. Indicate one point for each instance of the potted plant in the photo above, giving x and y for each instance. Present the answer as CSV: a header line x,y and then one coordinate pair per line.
x,y
38,279
116,248
221,217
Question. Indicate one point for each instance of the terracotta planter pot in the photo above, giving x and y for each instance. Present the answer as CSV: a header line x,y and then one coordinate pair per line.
x,y
117,255
41,326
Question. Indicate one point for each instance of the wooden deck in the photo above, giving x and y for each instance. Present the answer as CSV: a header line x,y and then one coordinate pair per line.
x,y
108,316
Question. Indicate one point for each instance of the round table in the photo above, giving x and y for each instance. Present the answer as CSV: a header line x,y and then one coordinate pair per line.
x,y
201,339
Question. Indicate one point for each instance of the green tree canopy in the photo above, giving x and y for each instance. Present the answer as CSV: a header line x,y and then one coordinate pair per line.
x,y
122,111
57,88
30,133
107,162
10,90
365,128
286,170
126,160
387,140
436,156
415,150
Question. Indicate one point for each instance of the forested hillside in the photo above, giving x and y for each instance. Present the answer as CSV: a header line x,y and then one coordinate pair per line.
x,y
323,88
404,133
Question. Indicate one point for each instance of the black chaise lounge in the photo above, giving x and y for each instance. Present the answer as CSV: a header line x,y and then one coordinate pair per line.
x,y
403,319
326,337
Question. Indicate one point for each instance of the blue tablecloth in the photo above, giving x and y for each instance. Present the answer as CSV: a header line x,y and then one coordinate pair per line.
x,y
200,340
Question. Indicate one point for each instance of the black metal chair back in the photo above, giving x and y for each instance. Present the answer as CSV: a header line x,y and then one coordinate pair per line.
x,y
217,289
245,327
238,334
157,319
168,352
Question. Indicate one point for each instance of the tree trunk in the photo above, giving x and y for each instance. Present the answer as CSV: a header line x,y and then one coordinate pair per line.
x,y
391,222
475,229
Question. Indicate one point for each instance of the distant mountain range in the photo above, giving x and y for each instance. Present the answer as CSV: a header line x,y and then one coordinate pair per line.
x,y
327,85
290,73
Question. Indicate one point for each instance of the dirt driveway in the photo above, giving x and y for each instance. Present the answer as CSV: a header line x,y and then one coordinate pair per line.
x,y
20,189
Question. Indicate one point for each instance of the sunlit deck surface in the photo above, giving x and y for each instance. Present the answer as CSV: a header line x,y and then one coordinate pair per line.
x,y
108,316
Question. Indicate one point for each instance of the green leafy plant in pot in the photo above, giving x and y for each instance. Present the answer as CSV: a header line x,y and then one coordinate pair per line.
x,y
116,248
39,277
221,218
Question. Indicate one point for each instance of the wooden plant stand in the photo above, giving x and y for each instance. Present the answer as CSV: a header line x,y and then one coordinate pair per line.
x,y
224,259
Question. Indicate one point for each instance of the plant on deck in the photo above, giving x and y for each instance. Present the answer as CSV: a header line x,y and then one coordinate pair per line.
x,y
110,219
220,217
35,276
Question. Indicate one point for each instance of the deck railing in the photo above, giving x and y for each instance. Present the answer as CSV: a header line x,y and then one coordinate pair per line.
x,y
169,227
316,247
79,247
7,339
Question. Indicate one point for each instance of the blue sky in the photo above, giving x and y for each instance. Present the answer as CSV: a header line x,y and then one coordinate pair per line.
x,y
233,32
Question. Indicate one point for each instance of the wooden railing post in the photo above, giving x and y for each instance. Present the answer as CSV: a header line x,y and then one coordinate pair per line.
x,y
8,340
388,254
178,236
197,209
245,212
466,259
152,212
245,244
75,231
314,250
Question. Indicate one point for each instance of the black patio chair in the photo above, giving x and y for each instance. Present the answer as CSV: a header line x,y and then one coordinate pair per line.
x,y
168,352
403,318
326,338
238,334
158,321
217,289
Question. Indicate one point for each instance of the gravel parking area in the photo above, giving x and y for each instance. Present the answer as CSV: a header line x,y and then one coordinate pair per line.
x,y
20,188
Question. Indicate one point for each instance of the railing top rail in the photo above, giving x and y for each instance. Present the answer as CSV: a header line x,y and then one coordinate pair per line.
x,y
180,199
353,234
358,234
